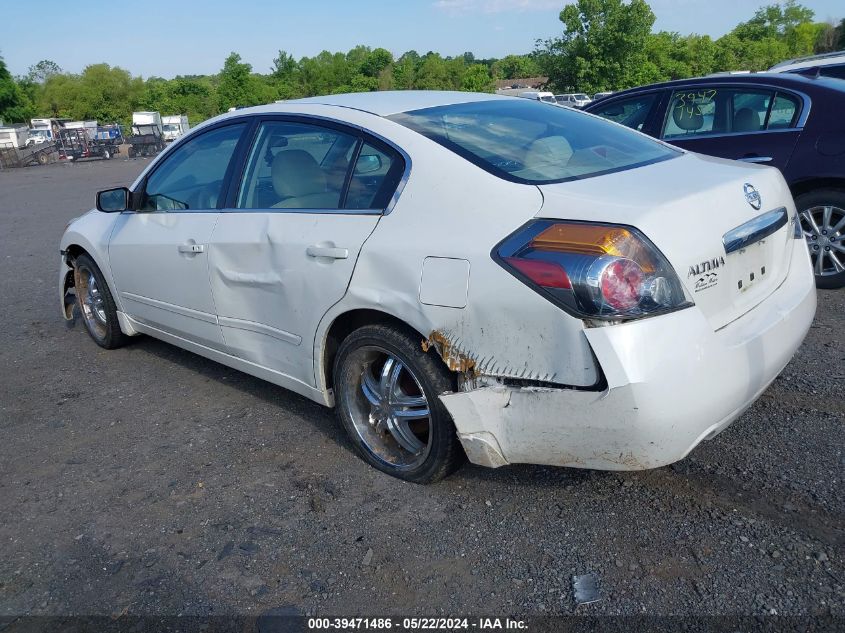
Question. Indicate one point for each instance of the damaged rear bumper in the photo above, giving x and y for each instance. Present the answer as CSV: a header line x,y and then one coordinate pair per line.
x,y
671,383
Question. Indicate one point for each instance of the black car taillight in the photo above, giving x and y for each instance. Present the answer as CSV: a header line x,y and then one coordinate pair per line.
x,y
596,271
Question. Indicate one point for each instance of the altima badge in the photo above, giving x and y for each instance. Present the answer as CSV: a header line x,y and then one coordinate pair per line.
x,y
753,196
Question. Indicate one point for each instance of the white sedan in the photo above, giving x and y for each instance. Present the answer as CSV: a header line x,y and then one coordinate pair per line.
x,y
459,275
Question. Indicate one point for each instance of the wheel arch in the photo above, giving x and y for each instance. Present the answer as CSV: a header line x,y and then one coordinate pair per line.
x,y
72,248
812,184
343,325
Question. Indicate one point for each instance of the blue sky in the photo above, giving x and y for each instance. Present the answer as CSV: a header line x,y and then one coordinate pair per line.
x,y
195,36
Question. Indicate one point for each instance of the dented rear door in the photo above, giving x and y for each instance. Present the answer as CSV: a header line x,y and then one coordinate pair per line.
x,y
274,275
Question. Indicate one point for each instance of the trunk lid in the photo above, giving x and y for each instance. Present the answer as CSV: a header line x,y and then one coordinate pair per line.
x,y
698,211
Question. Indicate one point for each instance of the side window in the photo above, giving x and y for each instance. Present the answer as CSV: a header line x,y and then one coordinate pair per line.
x,y
631,112
374,179
191,177
837,71
693,111
783,112
296,166
699,111
749,110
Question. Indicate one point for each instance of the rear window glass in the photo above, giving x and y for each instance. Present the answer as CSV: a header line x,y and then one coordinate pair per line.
x,y
530,142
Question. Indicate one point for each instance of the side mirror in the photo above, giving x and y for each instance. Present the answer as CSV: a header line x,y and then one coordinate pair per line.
x,y
113,200
368,164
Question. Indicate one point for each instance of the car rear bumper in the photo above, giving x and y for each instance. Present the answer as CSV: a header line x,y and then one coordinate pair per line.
x,y
671,382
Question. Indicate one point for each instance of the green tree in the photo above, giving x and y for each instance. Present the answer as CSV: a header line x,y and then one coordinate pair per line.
x,y
477,79
433,73
235,86
376,62
516,67
13,106
404,71
43,70
602,47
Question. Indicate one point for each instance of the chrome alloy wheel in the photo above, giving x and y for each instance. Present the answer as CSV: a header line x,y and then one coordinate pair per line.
x,y
389,408
91,302
824,230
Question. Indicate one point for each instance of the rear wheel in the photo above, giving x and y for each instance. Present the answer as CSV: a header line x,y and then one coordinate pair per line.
x,y
43,158
386,391
96,304
106,154
822,216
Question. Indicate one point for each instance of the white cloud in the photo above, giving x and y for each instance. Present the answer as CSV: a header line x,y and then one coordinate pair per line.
x,y
463,7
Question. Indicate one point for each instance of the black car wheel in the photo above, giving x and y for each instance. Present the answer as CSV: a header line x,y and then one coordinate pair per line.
x,y
387,398
822,216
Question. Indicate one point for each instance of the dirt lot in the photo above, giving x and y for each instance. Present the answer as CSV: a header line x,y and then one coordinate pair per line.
x,y
151,481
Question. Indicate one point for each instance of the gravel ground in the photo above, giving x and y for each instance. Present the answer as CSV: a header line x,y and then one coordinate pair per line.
x,y
149,480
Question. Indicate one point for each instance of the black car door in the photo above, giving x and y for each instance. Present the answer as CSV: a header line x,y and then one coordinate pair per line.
x,y
748,123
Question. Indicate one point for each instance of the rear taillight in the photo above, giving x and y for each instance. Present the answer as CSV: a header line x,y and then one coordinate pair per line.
x,y
596,271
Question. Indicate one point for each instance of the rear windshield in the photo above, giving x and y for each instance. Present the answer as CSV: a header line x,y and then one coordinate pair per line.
x,y
530,142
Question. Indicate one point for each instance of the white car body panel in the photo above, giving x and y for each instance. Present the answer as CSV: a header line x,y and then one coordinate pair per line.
x,y
270,293
536,383
653,412
159,285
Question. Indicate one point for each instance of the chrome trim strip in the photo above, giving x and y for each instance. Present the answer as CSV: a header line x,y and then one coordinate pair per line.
x,y
259,328
754,230
169,307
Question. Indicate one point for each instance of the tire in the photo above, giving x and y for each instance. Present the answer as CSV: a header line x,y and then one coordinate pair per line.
x,y
106,154
43,159
411,446
130,152
822,214
96,305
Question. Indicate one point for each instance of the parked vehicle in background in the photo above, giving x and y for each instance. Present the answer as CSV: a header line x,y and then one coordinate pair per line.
x,y
74,144
49,127
784,120
575,99
601,95
174,126
112,133
147,134
538,95
14,136
627,300
825,65
36,137
89,127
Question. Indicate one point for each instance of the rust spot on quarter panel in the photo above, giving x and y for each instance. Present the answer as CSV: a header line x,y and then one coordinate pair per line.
x,y
450,352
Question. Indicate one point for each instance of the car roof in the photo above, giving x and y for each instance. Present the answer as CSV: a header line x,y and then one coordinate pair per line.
x,y
810,61
388,102
784,80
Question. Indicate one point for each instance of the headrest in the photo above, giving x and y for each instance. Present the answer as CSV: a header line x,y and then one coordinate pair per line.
x,y
688,117
548,156
295,173
746,120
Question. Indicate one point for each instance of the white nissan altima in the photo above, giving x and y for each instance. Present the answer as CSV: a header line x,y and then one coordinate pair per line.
x,y
458,275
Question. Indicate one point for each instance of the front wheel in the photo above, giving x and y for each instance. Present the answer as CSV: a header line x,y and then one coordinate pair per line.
x,y
822,216
387,398
96,304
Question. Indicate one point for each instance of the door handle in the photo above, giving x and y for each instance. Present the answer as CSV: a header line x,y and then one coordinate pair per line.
x,y
191,249
327,251
756,159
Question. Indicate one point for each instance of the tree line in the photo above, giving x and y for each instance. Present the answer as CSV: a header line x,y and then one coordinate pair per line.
x,y
605,45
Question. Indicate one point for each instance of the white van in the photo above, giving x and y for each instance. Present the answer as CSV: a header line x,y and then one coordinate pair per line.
x,y
546,97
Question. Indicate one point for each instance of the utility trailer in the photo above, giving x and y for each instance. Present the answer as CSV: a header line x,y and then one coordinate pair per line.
x,y
147,134
75,143
40,154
